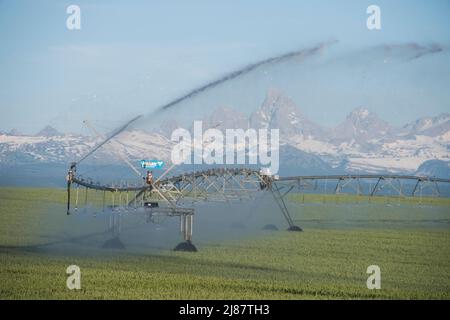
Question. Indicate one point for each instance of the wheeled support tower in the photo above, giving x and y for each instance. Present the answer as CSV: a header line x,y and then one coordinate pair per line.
x,y
186,222
115,221
279,199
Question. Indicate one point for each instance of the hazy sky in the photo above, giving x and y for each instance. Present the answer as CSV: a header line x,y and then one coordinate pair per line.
x,y
132,56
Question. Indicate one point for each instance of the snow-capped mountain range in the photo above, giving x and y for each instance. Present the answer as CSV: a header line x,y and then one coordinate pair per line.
x,y
361,143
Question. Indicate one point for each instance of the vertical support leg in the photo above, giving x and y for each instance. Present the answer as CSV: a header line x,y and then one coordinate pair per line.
x,y
359,188
104,200
400,188
68,197
182,224
115,228
85,199
188,227
76,199
186,222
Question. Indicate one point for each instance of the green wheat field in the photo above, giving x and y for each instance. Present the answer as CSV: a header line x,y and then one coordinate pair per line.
x,y
409,239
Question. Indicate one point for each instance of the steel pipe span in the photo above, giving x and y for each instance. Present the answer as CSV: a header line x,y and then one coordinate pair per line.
x,y
218,172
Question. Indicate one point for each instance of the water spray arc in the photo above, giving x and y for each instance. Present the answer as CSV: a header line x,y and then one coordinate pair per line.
x,y
231,76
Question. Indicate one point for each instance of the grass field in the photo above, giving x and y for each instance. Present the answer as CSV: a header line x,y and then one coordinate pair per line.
x,y
409,241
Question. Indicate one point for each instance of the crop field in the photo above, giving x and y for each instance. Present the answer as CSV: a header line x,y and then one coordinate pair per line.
x,y
343,235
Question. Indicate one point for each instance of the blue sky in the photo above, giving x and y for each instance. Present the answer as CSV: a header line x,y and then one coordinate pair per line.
x,y
132,56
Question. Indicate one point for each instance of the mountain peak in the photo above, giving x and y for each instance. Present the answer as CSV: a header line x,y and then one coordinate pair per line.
x,y
362,125
430,126
361,113
279,111
276,99
48,131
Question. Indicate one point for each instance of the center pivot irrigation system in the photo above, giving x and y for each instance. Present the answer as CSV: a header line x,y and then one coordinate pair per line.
x,y
174,196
